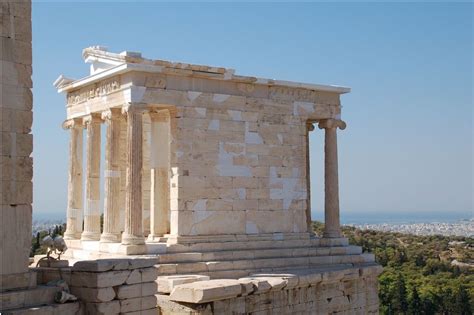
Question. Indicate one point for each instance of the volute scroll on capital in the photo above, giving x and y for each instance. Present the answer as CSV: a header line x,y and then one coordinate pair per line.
x,y
111,113
92,118
134,108
73,123
331,123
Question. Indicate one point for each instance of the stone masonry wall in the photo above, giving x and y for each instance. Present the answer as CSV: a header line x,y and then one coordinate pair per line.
x,y
113,286
16,140
241,164
343,291
110,286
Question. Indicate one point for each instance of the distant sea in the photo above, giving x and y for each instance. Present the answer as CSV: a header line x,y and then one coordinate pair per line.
x,y
346,217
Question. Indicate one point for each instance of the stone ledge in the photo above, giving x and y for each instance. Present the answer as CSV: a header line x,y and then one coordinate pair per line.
x,y
206,291
166,284
26,280
216,290
102,265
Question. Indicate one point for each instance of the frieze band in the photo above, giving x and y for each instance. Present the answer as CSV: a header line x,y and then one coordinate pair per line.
x,y
97,90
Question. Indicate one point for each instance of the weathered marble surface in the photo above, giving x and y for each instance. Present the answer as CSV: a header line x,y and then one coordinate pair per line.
x,y
220,154
348,290
16,140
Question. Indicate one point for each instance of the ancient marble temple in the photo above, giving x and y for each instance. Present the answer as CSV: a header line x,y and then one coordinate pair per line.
x,y
207,172
192,153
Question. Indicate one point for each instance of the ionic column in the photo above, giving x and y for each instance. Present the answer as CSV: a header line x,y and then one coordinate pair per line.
x,y
92,208
332,226
309,225
123,171
74,196
160,167
112,232
133,233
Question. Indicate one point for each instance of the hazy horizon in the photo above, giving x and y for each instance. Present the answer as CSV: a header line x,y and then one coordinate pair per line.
x,y
346,218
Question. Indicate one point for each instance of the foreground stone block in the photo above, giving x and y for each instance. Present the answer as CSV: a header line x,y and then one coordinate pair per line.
x,y
99,280
142,275
137,304
247,286
112,307
152,311
206,291
101,265
260,285
93,294
292,280
135,290
166,284
17,281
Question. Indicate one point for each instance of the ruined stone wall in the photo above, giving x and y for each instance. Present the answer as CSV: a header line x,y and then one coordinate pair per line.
x,y
350,291
16,140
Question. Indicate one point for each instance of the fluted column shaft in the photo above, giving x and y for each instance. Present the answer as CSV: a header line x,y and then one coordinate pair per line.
x,y
92,208
74,197
112,231
309,226
133,233
332,226
160,167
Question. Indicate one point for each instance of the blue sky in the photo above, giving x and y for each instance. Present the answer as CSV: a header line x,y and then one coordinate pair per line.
x,y
409,144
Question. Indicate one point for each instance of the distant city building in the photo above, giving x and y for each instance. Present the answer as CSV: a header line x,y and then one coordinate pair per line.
x,y
461,228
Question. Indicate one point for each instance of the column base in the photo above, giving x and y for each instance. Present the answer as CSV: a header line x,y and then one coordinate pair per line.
x,y
72,236
332,234
110,238
129,239
90,236
156,238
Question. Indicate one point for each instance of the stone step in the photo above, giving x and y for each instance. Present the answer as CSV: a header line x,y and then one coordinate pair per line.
x,y
40,295
90,250
18,281
260,244
248,254
228,269
50,309
235,274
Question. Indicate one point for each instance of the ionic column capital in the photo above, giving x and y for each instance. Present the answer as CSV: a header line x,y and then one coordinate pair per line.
x,y
93,118
332,123
112,114
72,123
310,125
134,108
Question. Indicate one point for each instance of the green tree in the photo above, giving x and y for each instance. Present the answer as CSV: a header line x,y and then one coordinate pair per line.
x,y
447,301
414,305
463,306
38,239
400,301
428,305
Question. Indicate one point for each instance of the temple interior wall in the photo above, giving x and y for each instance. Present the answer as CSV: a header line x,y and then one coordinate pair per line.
x,y
16,140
